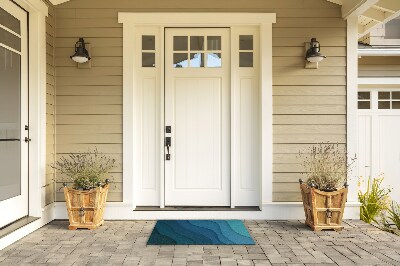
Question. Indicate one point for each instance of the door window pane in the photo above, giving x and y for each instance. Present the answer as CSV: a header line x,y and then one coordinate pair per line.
x,y
396,105
180,60
384,95
10,39
364,105
246,42
7,20
246,59
214,60
10,124
148,59
180,43
364,95
396,95
384,105
197,60
148,42
214,43
197,43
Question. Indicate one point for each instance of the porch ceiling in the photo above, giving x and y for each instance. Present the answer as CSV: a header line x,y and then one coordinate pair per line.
x,y
371,13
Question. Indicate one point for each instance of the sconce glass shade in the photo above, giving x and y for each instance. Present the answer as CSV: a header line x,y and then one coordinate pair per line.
x,y
81,54
313,54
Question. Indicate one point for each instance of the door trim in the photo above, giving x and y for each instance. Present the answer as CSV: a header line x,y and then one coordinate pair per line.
x,y
131,116
37,12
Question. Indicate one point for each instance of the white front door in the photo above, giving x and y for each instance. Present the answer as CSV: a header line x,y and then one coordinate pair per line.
x,y
13,113
197,108
378,136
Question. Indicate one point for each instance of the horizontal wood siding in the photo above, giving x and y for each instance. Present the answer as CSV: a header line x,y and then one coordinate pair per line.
x,y
379,66
48,188
309,104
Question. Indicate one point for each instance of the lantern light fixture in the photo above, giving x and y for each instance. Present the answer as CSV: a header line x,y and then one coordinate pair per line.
x,y
313,54
81,54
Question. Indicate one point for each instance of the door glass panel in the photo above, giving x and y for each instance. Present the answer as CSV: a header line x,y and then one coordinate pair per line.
x,y
246,42
10,39
246,59
10,121
197,60
364,105
197,43
180,60
396,95
214,60
384,95
214,43
384,105
180,43
148,59
148,42
396,105
7,20
364,95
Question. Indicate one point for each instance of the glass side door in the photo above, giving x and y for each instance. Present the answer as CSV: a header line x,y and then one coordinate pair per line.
x,y
13,113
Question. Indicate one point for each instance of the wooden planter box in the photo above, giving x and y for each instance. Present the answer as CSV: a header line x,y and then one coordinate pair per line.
x,y
323,210
85,207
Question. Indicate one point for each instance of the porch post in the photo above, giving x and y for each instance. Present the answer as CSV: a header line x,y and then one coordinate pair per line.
x,y
352,87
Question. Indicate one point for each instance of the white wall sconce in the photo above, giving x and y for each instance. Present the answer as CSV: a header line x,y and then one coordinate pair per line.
x,y
313,55
81,55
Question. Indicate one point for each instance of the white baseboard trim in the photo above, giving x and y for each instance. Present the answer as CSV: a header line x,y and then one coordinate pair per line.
x,y
270,211
47,216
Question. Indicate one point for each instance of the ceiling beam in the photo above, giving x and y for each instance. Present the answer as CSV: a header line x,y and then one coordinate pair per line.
x,y
375,14
354,8
389,5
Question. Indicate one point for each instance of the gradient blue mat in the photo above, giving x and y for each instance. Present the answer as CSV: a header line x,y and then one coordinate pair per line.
x,y
200,232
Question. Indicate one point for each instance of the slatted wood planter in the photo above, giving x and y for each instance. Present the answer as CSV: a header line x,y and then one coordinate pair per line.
x,y
85,207
323,210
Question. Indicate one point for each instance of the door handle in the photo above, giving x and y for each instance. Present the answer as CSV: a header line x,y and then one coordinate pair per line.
x,y
27,139
168,144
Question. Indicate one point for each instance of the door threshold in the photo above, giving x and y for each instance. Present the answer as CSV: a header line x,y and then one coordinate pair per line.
x,y
196,208
8,229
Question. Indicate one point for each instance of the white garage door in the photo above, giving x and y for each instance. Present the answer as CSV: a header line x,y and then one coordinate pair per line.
x,y
379,136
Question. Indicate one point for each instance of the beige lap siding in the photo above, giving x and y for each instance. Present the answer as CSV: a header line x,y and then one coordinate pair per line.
x,y
378,66
309,104
48,188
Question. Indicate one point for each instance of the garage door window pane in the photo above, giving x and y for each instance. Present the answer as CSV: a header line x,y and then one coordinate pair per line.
x,y
364,95
364,105
384,105
383,95
396,105
396,95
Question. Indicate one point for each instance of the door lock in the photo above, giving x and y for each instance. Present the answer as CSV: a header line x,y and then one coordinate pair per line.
x,y
168,144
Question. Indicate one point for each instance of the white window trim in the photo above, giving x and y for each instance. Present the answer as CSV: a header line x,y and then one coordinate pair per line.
x,y
131,158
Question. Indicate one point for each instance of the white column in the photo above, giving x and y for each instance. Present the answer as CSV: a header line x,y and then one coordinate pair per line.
x,y
352,87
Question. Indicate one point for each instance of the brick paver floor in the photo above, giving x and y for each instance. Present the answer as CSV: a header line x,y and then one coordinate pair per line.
x,y
278,243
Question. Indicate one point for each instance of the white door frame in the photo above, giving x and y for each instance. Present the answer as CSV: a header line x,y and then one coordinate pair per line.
x,y
37,12
131,125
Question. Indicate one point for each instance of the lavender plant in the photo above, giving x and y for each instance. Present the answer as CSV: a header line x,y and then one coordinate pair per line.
x,y
86,170
325,166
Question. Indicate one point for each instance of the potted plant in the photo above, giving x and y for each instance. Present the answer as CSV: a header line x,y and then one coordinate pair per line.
x,y
86,198
324,192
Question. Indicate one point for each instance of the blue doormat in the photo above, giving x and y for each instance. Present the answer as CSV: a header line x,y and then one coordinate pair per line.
x,y
200,232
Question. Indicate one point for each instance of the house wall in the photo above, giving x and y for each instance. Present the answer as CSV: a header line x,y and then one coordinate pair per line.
x,y
379,66
309,104
48,189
